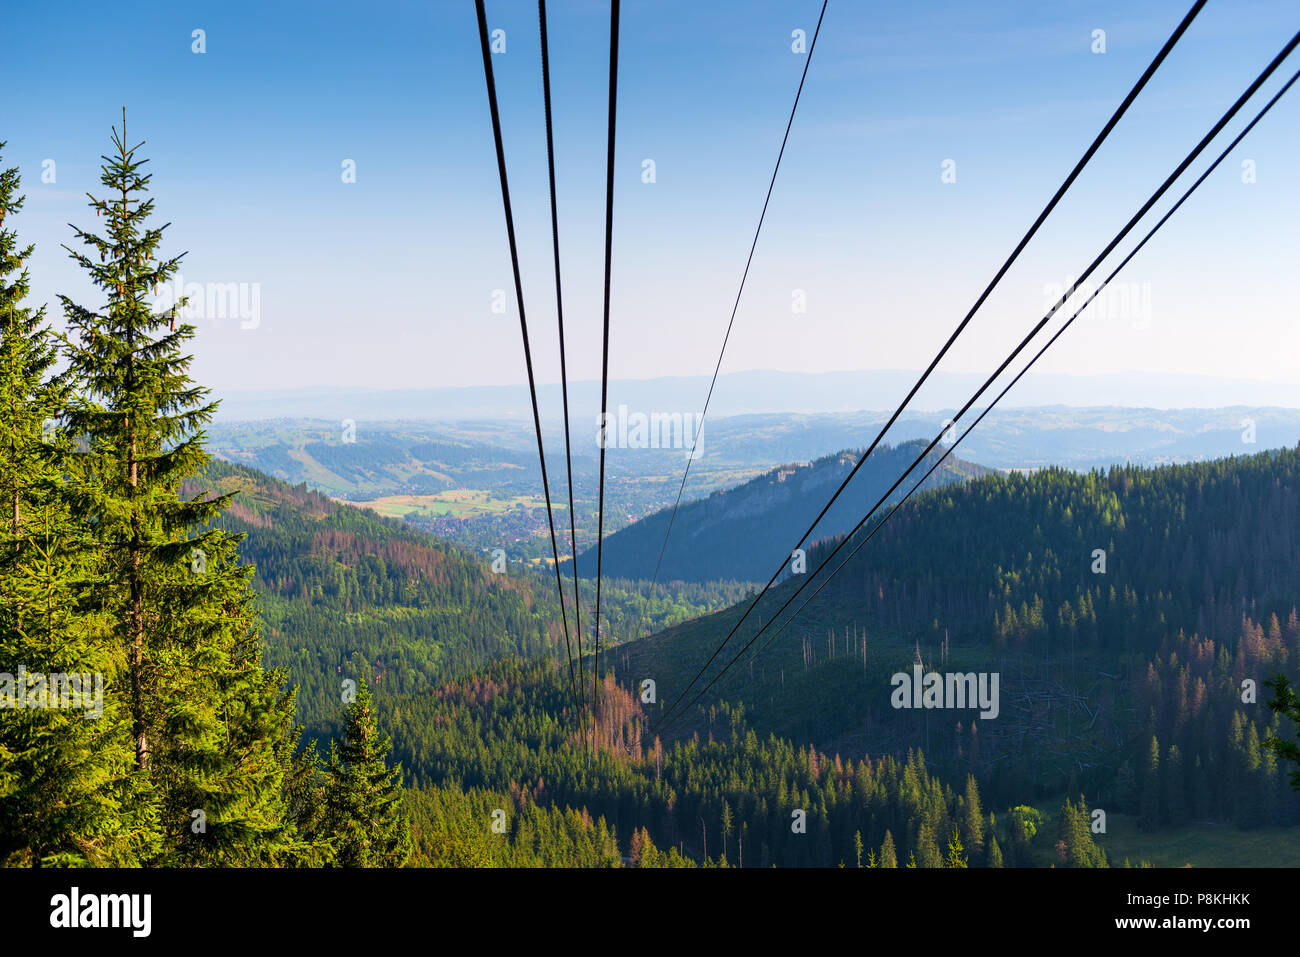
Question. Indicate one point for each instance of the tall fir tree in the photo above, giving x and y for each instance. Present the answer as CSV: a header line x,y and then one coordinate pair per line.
x,y
1286,703
31,395
363,796
1175,787
995,852
1074,832
888,854
63,797
957,856
972,818
207,721
1149,809
927,848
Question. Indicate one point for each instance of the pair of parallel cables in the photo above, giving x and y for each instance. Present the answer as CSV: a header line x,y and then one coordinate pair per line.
x,y
576,684
674,712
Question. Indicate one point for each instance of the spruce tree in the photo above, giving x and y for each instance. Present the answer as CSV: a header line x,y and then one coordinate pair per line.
x,y
207,722
1074,832
30,394
957,856
1175,787
972,818
888,855
75,799
995,852
364,797
63,800
927,847
1149,808
1285,702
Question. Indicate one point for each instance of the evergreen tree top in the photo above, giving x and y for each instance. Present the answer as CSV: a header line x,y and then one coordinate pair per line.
x,y
18,320
133,360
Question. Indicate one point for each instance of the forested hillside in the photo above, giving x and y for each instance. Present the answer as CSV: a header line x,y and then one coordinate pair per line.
x,y
1123,611
725,796
344,592
743,533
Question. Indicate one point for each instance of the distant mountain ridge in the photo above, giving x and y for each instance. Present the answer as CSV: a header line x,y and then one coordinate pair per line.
x,y
756,391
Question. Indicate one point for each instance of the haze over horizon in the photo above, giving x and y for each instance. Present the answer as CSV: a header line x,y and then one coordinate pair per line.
x,y
758,391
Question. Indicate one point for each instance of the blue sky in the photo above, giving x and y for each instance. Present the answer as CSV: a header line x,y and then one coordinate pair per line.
x,y
388,281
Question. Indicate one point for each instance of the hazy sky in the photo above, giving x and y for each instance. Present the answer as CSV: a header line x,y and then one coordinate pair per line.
x,y
388,281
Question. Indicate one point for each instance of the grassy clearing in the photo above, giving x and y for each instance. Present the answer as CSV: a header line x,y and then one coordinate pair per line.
x,y
454,503
1193,846
1217,846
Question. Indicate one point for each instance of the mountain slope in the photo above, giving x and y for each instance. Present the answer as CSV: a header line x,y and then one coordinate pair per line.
x,y
344,592
1198,593
743,533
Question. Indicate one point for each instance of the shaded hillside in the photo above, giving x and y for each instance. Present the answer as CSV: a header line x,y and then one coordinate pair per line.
x,y
742,533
